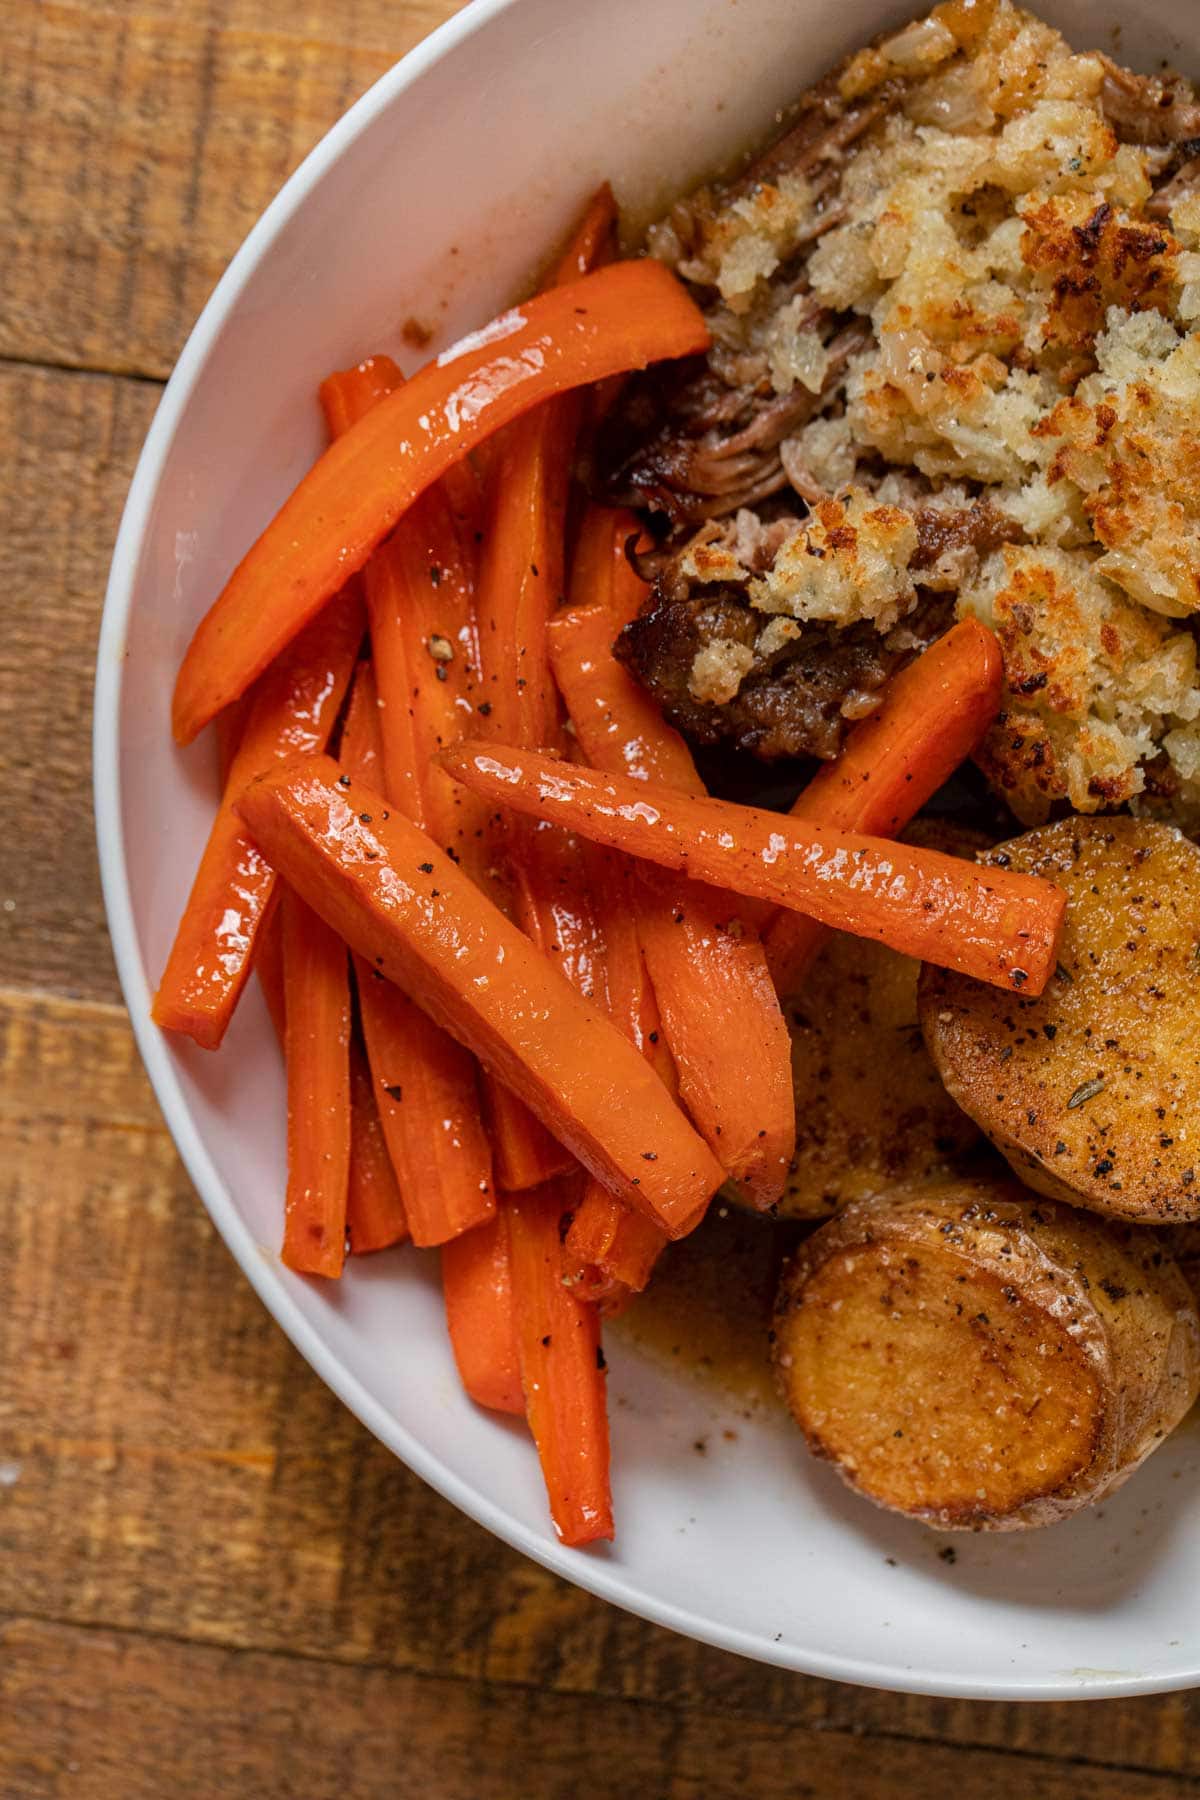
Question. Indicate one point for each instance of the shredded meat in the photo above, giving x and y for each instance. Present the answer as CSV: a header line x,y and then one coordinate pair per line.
x,y
1149,109
797,702
691,442
698,440
954,325
945,531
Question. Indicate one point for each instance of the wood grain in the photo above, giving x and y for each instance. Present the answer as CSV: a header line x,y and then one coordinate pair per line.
x,y
170,1466
69,446
113,1712
212,1580
137,148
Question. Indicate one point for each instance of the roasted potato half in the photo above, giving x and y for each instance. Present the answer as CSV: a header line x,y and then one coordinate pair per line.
x,y
871,1109
978,1358
1092,1091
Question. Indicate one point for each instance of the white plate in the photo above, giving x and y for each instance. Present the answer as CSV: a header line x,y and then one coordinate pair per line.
x,y
432,199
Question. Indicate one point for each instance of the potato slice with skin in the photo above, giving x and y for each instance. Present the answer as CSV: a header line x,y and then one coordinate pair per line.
x,y
1092,1090
871,1109
979,1358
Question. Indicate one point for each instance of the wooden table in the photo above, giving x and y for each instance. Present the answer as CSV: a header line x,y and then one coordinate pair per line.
x,y
213,1582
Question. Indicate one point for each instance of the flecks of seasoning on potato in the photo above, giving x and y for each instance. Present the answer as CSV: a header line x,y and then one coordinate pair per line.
x,y
1092,1090
978,1358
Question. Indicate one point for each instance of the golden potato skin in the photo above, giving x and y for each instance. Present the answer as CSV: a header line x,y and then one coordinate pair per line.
x,y
1092,1090
871,1109
981,1359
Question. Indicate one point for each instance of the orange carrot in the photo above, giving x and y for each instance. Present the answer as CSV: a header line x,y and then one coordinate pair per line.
x,y
375,1215
992,924
562,1368
317,1046
722,1019
416,918
615,1246
421,601
348,394
622,317
933,715
616,723
592,240
361,749
428,1098
268,966
421,605
477,1282
230,725
293,709
520,582
706,961
424,1084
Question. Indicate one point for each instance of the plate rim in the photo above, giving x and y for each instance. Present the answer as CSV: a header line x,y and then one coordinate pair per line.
x,y
590,1573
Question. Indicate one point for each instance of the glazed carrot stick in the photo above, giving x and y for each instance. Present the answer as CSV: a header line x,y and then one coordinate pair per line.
x,y
562,1368
615,1246
521,581
375,1215
317,1047
421,605
993,924
413,915
425,1084
348,394
293,709
705,959
592,240
722,1019
477,1283
622,317
421,601
934,713
616,723
427,1093
268,966
361,749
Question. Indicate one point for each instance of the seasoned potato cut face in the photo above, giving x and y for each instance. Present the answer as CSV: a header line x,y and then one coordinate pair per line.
x,y
975,1357
871,1109
1092,1091
933,1392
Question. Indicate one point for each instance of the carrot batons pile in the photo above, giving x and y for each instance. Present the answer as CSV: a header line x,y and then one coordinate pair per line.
x,y
524,970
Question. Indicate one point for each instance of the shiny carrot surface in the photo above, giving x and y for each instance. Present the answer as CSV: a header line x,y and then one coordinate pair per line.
x,y
416,918
620,318
425,1084
348,394
993,924
933,715
480,1316
375,1215
521,581
720,1013
292,710
562,1368
317,1049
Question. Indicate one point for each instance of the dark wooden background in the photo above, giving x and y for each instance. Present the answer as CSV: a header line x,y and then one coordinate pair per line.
x,y
212,1581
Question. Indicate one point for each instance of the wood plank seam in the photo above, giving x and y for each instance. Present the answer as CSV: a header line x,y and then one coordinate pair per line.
x,y
492,1689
